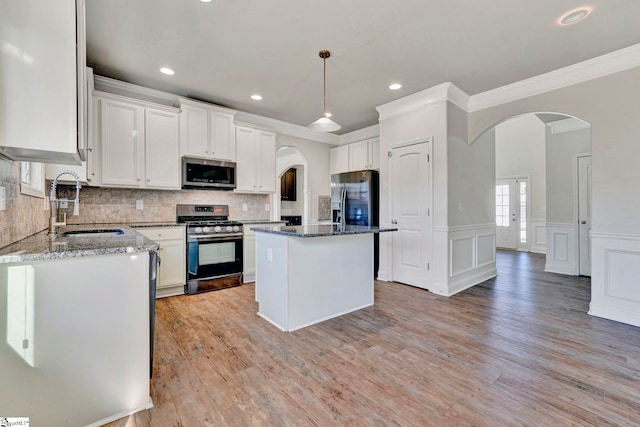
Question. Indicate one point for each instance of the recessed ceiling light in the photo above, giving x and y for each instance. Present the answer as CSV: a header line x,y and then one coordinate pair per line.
x,y
168,71
327,114
574,16
256,97
205,1
395,86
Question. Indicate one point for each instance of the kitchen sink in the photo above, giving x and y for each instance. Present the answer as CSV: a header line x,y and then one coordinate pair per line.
x,y
96,232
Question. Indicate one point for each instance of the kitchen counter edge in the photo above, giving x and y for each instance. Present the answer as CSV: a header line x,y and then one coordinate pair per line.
x,y
41,246
306,231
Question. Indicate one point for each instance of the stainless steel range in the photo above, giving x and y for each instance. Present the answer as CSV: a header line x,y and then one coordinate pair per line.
x,y
214,247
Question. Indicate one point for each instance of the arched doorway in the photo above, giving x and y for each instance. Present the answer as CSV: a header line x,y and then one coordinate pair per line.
x,y
286,159
543,188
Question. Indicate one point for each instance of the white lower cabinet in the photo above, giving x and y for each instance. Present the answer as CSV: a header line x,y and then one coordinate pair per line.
x,y
249,250
172,271
255,161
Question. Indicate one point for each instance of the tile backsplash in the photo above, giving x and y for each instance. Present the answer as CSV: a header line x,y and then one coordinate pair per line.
x,y
24,215
113,205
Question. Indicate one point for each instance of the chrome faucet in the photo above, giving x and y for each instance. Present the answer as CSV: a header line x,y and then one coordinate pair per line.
x,y
54,220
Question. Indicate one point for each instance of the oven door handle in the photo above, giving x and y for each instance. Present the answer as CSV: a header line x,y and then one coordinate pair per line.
x,y
210,238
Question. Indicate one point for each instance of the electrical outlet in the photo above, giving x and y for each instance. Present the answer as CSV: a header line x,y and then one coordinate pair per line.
x,y
460,207
3,199
267,207
269,254
139,204
245,207
63,205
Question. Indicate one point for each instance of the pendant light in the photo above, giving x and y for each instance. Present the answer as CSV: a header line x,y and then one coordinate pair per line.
x,y
324,123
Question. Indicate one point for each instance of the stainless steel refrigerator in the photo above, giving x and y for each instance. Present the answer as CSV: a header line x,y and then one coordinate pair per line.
x,y
355,201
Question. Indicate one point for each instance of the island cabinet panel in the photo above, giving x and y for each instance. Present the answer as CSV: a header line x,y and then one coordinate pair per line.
x,y
303,281
77,349
256,160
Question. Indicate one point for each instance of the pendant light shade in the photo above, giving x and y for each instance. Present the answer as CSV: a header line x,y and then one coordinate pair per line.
x,y
324,123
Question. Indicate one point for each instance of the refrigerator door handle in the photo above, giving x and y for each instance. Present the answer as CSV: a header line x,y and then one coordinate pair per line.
x,y
343,200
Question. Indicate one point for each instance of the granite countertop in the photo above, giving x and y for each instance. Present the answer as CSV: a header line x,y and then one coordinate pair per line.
x,y
320,230
259,221
41,246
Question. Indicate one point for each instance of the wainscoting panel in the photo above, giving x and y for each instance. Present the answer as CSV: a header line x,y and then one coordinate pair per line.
x,y
471,257
538,236
615,268
561,249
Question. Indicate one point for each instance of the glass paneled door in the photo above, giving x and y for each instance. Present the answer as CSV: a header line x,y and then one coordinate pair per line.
x,y
512,219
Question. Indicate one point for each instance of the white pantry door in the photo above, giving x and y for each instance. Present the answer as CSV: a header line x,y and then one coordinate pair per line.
x,y
584,214
411,214
506,221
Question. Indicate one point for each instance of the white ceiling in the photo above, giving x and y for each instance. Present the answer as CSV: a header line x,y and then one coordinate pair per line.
x,y
226,50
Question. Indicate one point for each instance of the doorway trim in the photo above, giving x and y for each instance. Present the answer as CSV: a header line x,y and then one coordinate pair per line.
x,y
282,167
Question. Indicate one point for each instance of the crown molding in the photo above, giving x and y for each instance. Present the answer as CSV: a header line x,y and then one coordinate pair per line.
x,y
286,128
360,134
431,96
567,125
601,66
118,87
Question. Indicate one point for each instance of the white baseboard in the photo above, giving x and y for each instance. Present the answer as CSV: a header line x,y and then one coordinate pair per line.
x,y
114,417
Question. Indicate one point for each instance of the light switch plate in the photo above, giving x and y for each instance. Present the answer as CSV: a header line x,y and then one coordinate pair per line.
x,y
245,207
267,207
139,204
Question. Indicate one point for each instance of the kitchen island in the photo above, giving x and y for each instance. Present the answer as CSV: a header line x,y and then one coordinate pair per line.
x,y
308,274
75,325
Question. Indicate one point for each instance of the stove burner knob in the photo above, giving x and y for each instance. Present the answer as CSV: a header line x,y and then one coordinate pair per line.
x,y
205,229
217,229
198,230
236,228
229,228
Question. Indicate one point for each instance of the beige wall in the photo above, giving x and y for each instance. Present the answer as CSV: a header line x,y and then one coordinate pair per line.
x,y
25,215
613,110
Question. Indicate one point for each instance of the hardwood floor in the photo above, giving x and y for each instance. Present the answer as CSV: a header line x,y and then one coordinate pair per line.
x,y
518,350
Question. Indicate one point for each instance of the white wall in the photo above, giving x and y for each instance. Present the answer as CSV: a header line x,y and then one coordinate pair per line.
x,y
468,164
612,106
520,152
317,155
561,148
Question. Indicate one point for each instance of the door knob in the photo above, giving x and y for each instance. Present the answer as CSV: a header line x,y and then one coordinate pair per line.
x,y
583,222
393,221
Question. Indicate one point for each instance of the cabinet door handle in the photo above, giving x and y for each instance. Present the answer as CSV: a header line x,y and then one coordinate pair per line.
x,y
393,221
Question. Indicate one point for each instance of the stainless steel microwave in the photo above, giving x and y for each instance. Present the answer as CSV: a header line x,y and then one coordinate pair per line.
x,y
208,174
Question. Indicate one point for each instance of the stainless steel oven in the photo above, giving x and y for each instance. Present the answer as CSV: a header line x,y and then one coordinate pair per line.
x,y
214,248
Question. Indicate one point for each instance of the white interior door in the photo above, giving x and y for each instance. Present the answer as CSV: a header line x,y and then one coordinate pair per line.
x,y
584,214
506,213
411,214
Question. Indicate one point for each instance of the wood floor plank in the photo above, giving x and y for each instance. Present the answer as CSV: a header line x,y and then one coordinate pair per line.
x,y
517,350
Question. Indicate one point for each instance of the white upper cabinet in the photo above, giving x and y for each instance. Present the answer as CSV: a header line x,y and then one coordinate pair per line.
x,y
357,156
162,154
42,72
339,159
137,145
255,160
206,131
